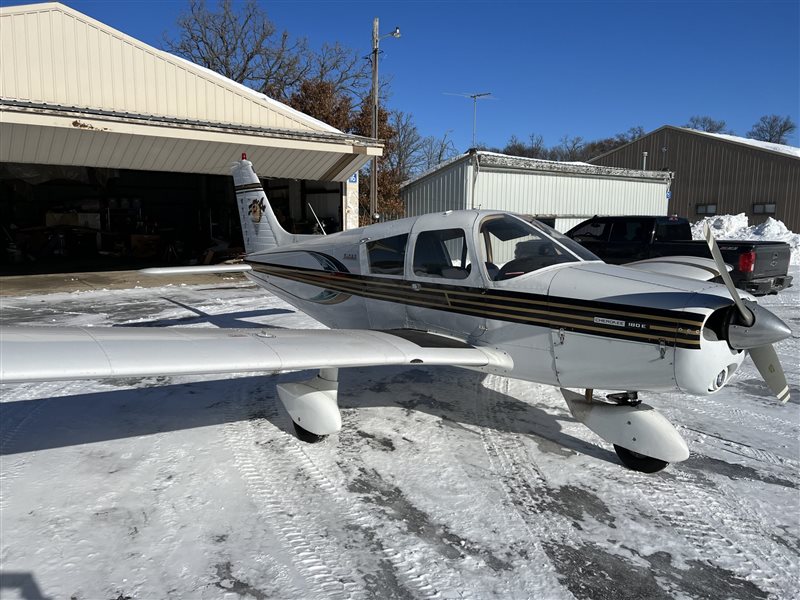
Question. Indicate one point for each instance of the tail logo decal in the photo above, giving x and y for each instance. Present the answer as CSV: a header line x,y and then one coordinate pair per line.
x,y
256,210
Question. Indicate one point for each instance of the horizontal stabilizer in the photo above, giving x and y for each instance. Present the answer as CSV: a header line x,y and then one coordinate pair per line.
x,y
197,270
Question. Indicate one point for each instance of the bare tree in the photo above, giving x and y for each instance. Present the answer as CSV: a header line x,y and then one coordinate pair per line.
x,y
344,68
390,206
515,147
437,150
706,123
242,45
570,148
407,158
240,42
773,128
535,147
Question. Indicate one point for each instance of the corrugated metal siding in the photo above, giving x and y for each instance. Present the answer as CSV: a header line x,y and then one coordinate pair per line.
x,y
560,194
710,170
441,191
55,55
564,225
573,197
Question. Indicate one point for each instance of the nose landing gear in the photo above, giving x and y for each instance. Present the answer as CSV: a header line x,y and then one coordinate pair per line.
x,y
643,439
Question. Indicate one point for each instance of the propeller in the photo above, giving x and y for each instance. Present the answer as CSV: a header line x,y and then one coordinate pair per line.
x,y
759,328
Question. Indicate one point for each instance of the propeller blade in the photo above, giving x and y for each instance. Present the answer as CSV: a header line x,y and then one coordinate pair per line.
x,y
747,316
767,363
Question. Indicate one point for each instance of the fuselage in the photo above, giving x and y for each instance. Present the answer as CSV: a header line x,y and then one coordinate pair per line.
x,y
494,279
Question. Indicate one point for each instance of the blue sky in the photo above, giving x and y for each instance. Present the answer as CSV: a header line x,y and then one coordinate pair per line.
x,y
579,68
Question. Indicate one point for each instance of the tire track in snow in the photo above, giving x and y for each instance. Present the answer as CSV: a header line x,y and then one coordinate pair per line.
x,y
356,513
741,449
716,410
272,485
523,484
726,535
316,557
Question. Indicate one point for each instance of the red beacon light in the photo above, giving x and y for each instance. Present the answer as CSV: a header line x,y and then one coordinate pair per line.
x,y
244,156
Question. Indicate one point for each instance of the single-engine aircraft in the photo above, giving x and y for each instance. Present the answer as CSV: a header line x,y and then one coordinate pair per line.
x,y
486,290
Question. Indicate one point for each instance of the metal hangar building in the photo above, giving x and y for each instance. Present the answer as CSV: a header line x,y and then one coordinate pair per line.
x,y
111,147
561,194
718,173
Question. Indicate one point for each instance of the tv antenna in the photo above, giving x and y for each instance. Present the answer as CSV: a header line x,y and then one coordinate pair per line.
x,y
475,97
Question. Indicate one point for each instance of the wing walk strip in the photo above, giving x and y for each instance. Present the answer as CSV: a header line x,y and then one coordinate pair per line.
x,y
676,328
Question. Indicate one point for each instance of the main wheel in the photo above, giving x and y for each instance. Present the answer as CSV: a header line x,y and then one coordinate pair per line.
x,y
304,435
639,462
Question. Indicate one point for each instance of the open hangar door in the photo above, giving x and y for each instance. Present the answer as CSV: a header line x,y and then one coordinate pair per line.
x,y
68,218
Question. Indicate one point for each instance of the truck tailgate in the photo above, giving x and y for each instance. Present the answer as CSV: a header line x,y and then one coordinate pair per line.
x,y
772,258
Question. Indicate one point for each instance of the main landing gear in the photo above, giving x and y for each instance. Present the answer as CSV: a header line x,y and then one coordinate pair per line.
x,y
313,405
642,438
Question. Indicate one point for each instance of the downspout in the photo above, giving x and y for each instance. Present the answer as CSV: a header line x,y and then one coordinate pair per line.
x,y
476,167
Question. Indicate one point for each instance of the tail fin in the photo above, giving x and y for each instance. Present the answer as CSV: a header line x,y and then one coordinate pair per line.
x,y
260,227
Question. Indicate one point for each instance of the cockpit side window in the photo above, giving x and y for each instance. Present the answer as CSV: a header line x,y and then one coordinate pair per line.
x,y
387,256
513,247
441,253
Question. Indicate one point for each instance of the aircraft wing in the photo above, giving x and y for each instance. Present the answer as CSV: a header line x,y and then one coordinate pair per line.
x,y
58,353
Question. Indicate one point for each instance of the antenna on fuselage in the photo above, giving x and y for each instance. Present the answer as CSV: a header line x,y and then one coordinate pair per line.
x,y
321,228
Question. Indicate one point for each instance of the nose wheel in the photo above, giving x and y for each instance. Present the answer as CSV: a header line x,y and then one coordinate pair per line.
x,y
304,435
643,439
639,462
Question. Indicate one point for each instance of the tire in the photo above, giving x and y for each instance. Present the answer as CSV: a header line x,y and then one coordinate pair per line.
x,y
639,462
304,435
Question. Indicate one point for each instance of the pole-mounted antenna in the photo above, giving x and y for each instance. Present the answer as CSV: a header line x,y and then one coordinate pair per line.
x,y
475,97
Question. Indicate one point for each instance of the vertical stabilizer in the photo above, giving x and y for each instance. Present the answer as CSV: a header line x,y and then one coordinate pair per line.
x,y
260,227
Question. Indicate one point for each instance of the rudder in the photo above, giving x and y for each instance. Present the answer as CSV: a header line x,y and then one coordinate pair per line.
x,y
260,227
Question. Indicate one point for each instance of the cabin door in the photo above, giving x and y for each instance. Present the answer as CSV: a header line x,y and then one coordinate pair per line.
x,y
444,288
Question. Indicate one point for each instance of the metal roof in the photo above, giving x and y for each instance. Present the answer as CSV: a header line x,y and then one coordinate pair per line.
x,y
493,160
74,91
721,137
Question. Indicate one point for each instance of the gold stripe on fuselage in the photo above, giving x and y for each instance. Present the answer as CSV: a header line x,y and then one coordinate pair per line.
x,y
553,315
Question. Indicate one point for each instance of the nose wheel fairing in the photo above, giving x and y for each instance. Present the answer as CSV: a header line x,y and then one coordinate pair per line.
x,y
640,429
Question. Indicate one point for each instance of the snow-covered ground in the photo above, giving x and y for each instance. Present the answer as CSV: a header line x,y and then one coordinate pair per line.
x,y
443,483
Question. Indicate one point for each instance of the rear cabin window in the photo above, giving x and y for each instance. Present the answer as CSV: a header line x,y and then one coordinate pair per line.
x,y
387,256
441,253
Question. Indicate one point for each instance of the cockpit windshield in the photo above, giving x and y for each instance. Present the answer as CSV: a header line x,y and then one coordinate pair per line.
x,y
515,245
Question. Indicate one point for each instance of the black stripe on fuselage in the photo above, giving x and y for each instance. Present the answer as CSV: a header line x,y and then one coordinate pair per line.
x,y
605,319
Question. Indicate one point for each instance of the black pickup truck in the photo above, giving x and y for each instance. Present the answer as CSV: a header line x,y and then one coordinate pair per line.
x,y
758,267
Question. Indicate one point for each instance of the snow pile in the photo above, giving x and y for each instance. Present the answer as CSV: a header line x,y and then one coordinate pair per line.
x,y
735,227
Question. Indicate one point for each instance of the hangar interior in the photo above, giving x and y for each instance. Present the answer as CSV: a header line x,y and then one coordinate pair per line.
x,y
57,217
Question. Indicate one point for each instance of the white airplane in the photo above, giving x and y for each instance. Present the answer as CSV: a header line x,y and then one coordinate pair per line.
x,y
485,290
